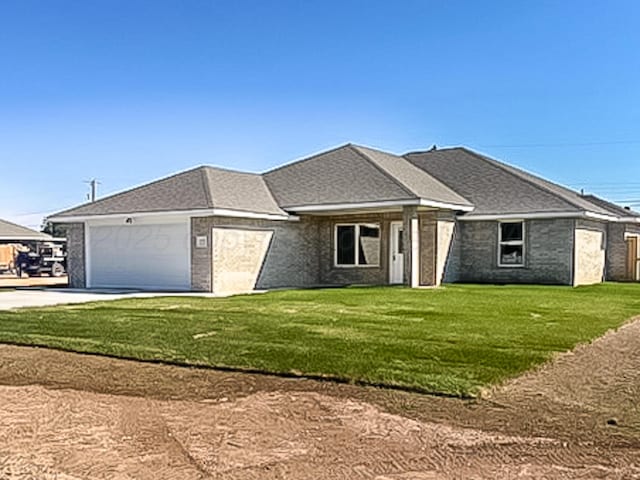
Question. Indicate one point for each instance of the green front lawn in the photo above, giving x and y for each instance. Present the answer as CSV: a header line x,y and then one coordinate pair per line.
x,y
452,340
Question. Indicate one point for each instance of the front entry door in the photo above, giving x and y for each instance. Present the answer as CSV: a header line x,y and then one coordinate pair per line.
x,y
396,260
633,263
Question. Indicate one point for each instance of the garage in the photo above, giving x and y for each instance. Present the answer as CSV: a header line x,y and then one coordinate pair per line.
x,y
147,256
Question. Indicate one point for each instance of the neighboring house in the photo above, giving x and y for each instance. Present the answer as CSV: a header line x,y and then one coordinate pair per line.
x,y
12,237
14,233
352,215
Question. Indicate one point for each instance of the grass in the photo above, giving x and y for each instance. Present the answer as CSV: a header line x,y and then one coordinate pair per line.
x,y
454,340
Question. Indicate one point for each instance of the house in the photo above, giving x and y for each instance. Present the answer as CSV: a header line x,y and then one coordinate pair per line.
x,y
14,233
12,238
351,215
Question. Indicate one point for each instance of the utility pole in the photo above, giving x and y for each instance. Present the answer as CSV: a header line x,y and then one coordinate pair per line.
x,y
93,183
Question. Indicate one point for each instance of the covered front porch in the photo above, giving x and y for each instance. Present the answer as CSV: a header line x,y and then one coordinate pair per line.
x,y
410,245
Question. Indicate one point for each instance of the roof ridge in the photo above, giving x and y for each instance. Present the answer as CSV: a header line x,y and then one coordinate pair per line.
x,y
306,159
356,149
129,190
437,178
517,174
206,184
228,170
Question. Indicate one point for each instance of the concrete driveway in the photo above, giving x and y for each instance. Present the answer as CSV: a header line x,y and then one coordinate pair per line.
x,y
11,299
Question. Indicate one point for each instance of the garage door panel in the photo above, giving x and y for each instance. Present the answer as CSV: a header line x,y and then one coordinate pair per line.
x,y
140,256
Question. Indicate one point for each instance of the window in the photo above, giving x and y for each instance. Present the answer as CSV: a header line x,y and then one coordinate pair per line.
x,y
511,244
357,245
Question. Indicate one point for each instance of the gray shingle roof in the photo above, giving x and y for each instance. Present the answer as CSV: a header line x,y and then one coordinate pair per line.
x,y
196,189
353,174
497,188
612,207
421,184
13,231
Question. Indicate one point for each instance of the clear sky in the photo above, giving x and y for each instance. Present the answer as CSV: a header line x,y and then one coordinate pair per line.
x,y
128,91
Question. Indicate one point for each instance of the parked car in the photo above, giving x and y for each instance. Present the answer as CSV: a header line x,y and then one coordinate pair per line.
x,y
47,257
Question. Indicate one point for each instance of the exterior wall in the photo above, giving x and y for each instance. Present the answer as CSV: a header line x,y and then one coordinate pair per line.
x,y
238,256
452,266
445,243
589,252
616,268
291,259
548,253
427,247
201,258
367,275
75,255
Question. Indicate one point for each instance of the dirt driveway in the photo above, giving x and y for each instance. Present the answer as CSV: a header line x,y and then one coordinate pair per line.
x,y
68,416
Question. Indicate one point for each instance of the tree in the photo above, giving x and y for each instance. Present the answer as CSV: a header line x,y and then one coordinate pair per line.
x,y
54,229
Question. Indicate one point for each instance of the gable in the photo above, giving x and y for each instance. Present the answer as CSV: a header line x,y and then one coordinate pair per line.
x,y
338,176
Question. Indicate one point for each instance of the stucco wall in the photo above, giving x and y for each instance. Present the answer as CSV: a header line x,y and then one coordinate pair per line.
x,y
75,255
446,227
548,253
589,252
238,256
291,259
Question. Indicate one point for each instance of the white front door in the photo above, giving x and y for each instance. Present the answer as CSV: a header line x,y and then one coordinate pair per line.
x,y
396,252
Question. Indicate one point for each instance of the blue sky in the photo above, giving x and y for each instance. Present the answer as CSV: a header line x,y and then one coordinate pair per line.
x,y
130,91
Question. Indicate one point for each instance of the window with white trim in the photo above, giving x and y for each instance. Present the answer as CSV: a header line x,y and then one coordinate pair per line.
x,y
511,244
357,244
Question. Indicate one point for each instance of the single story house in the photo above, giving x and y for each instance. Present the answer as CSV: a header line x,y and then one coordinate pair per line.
x,y
351,215
13,233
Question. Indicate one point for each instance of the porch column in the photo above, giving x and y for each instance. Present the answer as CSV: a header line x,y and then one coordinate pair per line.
x,y
411,245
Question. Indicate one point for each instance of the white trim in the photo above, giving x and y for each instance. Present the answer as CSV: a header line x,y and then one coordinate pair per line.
x,y
219,212
630,219
382,204
444,205
393,241
225,212
512,242
600,216
541,215
28,238
357,244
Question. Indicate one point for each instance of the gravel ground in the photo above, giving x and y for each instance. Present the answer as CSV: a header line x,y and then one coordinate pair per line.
x,y
70,416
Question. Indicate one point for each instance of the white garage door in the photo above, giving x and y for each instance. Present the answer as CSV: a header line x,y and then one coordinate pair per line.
x,y
140,256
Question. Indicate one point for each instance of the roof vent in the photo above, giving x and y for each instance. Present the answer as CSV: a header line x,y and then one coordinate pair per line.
x,y
627,208
433,148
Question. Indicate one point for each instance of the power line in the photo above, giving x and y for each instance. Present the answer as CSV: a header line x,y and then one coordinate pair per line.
x,y
563,144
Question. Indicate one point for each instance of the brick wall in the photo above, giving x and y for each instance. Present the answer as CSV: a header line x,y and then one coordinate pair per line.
x,y
329,274
616,263
75,255
548,253
291,259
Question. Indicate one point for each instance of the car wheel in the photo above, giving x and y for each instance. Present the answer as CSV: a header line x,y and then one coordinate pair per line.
x,y
57,270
